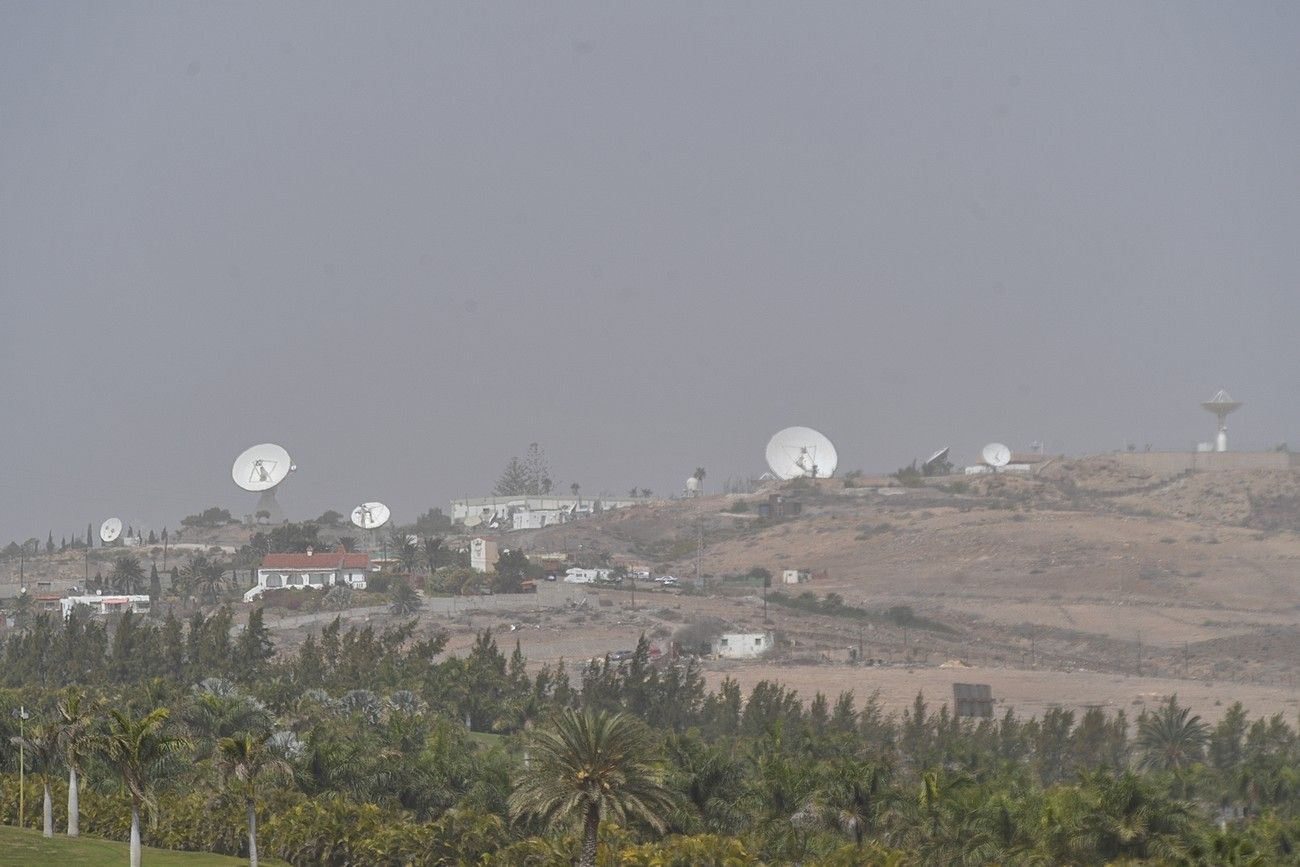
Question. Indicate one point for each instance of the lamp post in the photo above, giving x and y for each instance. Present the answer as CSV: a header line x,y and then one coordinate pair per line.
x,y
22,716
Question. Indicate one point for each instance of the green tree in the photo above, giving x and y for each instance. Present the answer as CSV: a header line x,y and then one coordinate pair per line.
x,y
1170,739
204,578
245,761
140,751
406,601
510,571
155,583
589,766
127,575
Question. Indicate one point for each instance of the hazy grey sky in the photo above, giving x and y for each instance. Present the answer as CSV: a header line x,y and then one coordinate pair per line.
x,y
405,240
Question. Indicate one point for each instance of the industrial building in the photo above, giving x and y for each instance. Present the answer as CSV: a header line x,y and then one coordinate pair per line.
x,y
553,508
742,645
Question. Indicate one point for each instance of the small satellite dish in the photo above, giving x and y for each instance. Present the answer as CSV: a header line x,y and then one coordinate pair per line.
x,y
996,455
371,516
692,485
801,452
110,530
473,521
261,467
940,455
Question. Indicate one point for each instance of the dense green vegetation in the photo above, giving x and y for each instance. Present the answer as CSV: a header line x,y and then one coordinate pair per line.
x,y
374,747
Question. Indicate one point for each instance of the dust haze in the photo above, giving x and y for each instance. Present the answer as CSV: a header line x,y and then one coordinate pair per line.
x,y
406,241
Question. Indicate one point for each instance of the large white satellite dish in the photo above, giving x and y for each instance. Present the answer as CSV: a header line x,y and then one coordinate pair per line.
x,y
370,516
940,455
261,467
996,455
801,452
110,530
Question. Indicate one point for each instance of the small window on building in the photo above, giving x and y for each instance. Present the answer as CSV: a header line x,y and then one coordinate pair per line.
x,y
723,642
758,642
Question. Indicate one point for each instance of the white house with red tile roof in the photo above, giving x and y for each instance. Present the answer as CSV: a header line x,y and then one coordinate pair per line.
x,y
317,570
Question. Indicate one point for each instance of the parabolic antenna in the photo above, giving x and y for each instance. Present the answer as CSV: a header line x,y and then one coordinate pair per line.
x,y
370,516
110,530
473,521
801,452
692,485
261,467
940,455
996,455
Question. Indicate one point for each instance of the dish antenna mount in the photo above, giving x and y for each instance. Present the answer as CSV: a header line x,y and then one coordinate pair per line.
x,y
260,469
371,516
996,455
1222,404
110,530
801,453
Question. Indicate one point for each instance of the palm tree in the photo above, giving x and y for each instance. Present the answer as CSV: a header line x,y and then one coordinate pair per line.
x,y
855,799
76,727
127,575
588,766
432,546
248,759
139,750
204,578
405,600
1127,817
1170,740
43,750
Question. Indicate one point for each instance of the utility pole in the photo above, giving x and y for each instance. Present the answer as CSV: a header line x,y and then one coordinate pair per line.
x,y
1139,654
22,716
699,548
1184,659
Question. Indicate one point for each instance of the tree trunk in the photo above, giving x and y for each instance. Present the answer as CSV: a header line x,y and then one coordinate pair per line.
x,y
135,835
74,805
590,826
49,811
252,833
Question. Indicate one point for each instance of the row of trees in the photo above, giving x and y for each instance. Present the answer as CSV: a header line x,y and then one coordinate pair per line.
x,y
362,738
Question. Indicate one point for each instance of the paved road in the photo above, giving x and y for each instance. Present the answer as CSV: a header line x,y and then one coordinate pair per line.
x,y
548,596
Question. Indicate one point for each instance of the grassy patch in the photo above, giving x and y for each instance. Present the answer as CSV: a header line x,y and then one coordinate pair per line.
x,y
26,847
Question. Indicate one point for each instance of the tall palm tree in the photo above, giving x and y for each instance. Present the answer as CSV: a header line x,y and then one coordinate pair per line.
x,y
76,725
432,546
139,750
588,766
127,575
405,600
204,577
1170,739
248,759
44,750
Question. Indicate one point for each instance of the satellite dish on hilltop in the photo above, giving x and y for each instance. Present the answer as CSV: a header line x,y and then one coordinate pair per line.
x,y
371,516
260,469
1222,404
940,455
801,452
692,486
110,530
996,455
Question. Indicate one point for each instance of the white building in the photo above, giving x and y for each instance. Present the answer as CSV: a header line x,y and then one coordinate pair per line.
x,y
500,509
317,571
536,519
483,555
743,645
136,604
795,576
